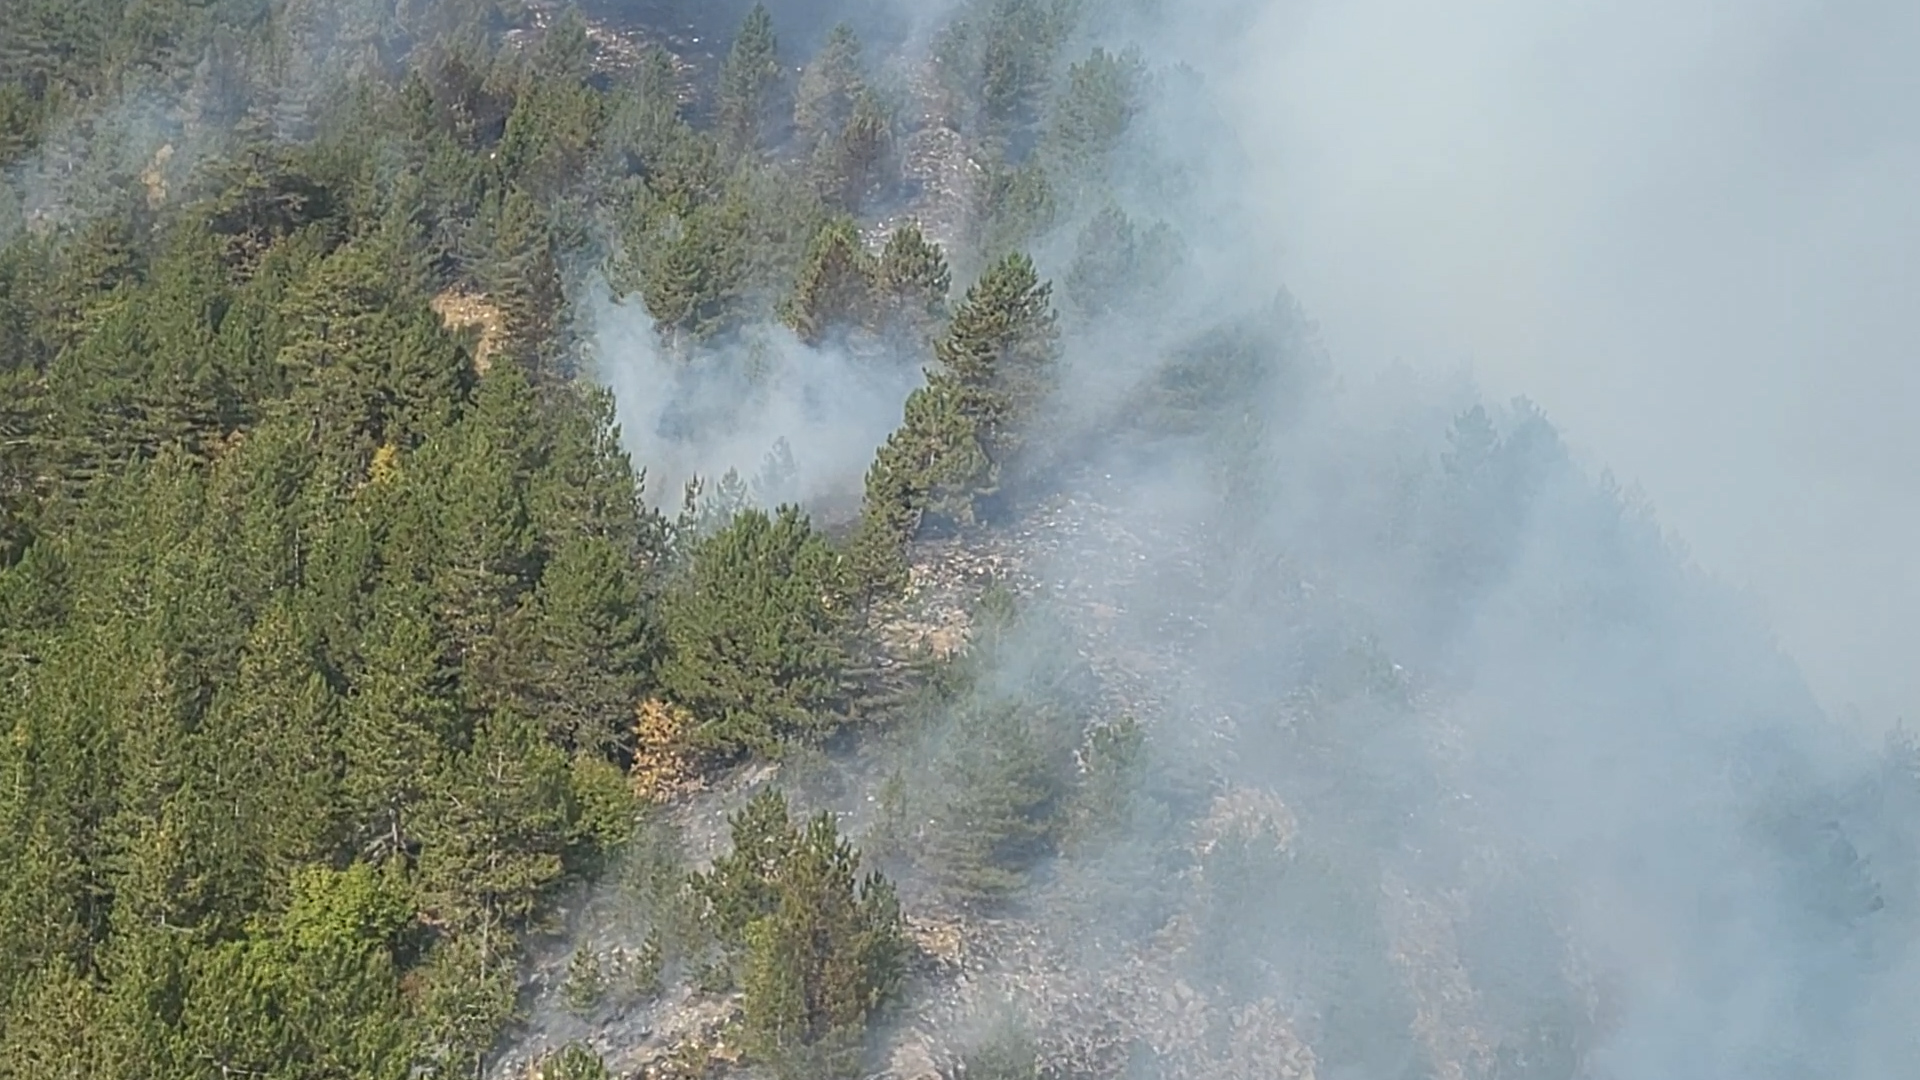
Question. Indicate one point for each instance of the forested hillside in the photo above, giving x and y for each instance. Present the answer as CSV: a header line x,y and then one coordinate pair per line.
x,y
345,643
331,598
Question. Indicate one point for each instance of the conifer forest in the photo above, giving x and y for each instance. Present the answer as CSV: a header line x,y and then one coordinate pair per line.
x,y
696,541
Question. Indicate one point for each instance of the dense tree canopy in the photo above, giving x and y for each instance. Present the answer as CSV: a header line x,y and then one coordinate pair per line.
x,y
338,633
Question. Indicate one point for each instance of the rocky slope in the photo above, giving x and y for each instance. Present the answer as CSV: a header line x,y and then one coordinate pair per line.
x,y
1100,982
1308,756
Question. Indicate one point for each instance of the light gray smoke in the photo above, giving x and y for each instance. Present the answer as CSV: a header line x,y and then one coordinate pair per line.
x,y
745,408
1485,680
1687,229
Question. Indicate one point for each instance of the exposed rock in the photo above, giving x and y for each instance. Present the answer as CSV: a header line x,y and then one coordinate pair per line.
x,y
462,311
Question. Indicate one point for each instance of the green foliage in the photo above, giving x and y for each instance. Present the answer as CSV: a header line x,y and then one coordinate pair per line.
x,y
584,645
572,1062
739,888
748,79
1103,94
851,163
911,283
999,56
822,949
962,432
888,837
522,276
830,85
1218,382
605,814
22,121
554,128
1014,206
332,642
935,462
643,968
703,254
692,266
878,552
324,630
358,909
1004,780
834,290
1487,483
1114,760
932,466
367,363
1000,349
586,983
646,136
759,633
1116,267
995,753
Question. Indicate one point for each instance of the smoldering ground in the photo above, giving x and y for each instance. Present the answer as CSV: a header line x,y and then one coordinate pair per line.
x,y
1552,800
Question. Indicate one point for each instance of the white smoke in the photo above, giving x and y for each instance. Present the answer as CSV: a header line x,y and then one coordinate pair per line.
x,y
744,407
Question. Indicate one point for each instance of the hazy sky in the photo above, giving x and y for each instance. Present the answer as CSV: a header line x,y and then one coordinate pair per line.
x,y
1690,229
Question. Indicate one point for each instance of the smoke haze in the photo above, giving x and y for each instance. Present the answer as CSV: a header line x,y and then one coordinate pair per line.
x,y
1482,681
763,397
1687,230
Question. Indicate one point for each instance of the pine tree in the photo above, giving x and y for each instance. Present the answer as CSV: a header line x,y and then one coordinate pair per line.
x,y
1008,1051
273,741
1000,790
824,961
848,164
572,1062
878,552
780,219
931,466
829,85
1102,263
86,288
1013,205
483,545
748,78
694,268
495,839
834,289
740,888
935,463
997,60
586,484
56,1024
822,949
368,363
142,375
758,632
319,990
401,722
523,280
159,873
911,283
580,646
1000,349
1103,94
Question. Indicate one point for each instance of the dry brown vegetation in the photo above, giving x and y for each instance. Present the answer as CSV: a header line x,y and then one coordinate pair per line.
x,y
460,310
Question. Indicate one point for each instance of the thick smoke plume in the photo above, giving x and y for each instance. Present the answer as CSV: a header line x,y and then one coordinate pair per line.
x,y
794,422
1682,228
